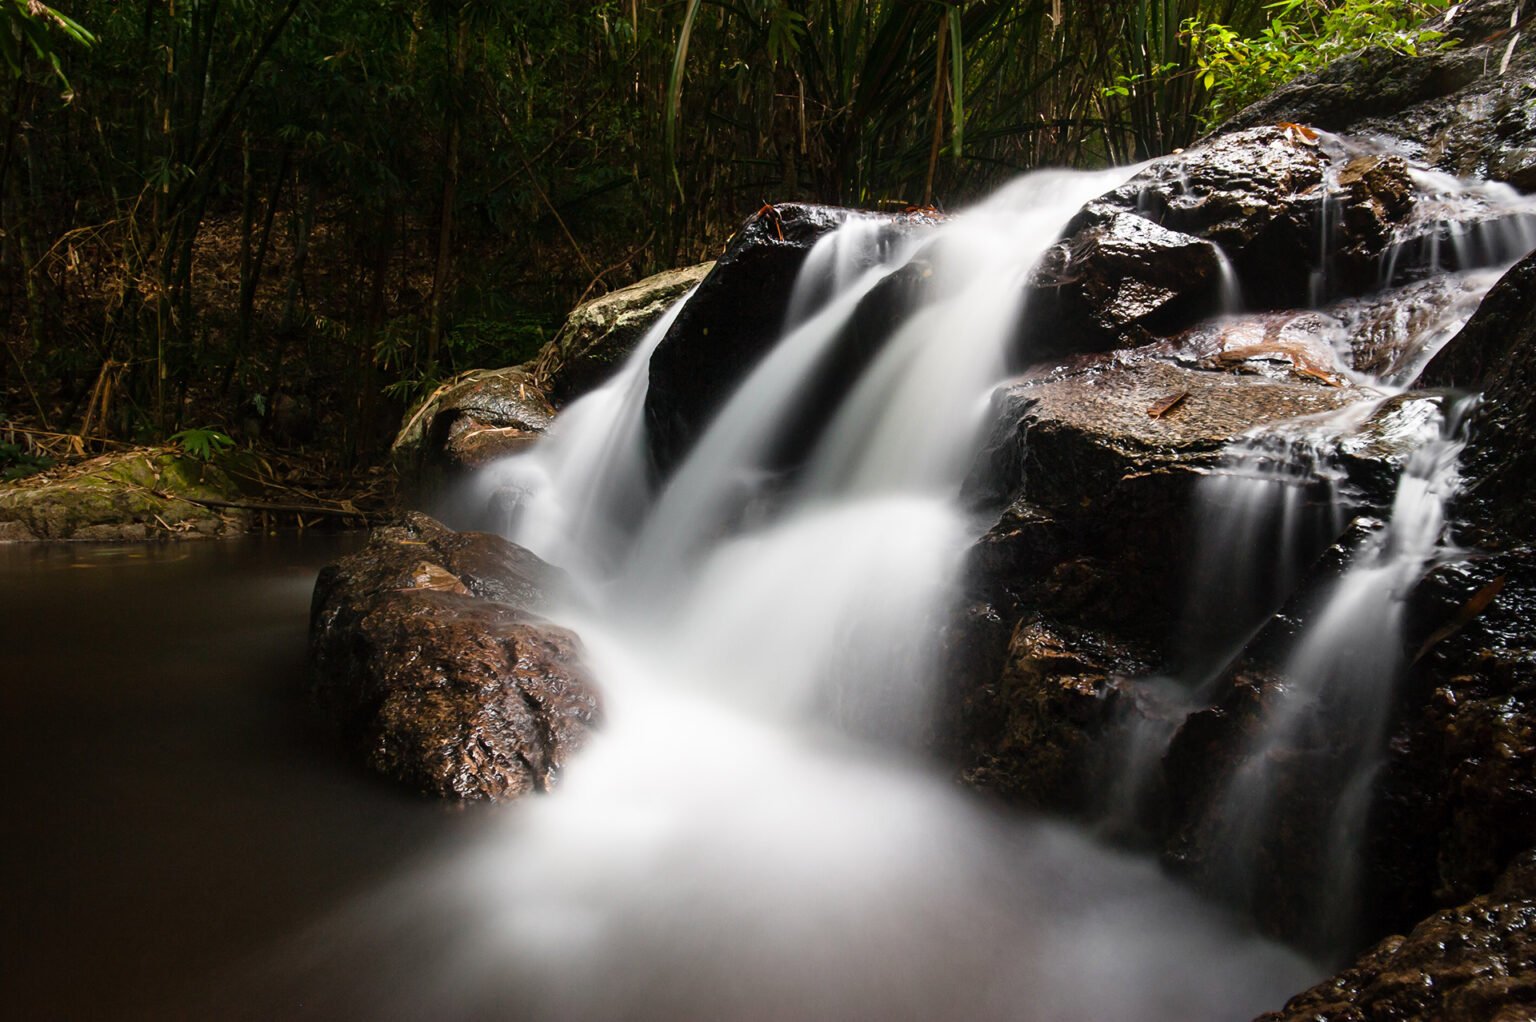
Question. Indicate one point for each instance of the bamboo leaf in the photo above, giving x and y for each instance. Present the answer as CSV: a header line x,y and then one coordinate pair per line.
x,y
957,85
675,91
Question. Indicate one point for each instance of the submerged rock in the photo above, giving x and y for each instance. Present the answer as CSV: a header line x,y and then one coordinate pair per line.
x,y
599,334
130,495
470,421
426,649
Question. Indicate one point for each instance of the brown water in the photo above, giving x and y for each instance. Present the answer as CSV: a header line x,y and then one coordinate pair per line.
x,y
174,811
184,840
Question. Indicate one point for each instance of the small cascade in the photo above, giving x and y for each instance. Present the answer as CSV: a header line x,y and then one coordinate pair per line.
x,y
1230,289
575,497
728,469
1343,670
1321,275
1458,225
1260,518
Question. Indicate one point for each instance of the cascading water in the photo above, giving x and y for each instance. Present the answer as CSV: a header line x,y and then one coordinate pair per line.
x,y
1344,668
747,837
732,843
575,495
1277,500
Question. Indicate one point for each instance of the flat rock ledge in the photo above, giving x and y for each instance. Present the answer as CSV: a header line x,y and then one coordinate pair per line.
x,y
426,650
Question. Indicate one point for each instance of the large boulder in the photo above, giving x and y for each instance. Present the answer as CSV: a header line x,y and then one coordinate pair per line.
x,y
599,334
153,493
729,324
475,418
1268,217
425,647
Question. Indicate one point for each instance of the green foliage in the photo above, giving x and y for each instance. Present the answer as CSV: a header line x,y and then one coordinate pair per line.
x,y
1302,36
29,28
16,462
203,443
332,206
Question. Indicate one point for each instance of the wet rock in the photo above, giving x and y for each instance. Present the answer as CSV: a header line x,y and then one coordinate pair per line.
x,y
470,421
1086,433
599,334
1093,543
1495,353
1465,110
1037,732
1145,260
1113,281
1463,767
729,324
426,648
1475,962
124,496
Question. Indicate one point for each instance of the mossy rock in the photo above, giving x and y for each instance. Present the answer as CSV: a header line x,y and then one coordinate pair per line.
x,y
127,495
599,334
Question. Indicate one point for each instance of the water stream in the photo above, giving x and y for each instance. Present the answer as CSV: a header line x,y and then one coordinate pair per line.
x,y
752,835
747,837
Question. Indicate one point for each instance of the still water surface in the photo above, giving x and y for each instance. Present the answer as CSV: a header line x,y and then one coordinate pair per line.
x,y
173,810
184,840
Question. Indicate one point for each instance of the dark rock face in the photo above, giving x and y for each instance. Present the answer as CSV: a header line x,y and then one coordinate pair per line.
x,y
1247,212
1475,962
472,420
1255,193
1112,281
599,334
1494,355
729,324
423,646
1463,110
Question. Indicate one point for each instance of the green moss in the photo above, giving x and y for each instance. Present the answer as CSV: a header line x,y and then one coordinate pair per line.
x,y
125,496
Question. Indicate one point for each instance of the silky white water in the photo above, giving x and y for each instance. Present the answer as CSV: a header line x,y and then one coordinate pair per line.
x,y
1262,518
746,837
749,835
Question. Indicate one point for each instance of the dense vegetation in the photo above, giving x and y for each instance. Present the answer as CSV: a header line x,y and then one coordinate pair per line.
x,y
288,218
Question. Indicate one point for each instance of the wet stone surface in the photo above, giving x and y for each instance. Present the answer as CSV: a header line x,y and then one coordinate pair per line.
x,y
472,420
427,650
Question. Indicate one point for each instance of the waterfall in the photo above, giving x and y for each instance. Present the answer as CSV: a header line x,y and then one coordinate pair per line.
x,y
1344,668
750,834
747,836
1262,517
575,496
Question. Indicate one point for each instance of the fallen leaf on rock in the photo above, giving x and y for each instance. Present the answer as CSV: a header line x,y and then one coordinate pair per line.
x,y
1163,405
1299,132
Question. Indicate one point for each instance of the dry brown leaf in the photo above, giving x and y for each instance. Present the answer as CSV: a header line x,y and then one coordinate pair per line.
x,y
1298,132
1163,405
